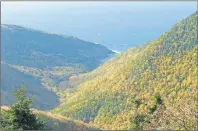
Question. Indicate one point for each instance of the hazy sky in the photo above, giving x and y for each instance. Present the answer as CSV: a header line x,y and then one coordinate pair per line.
x,y
113,24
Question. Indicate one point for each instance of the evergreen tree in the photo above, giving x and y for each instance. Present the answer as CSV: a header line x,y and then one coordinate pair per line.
x,y
20,116
138,121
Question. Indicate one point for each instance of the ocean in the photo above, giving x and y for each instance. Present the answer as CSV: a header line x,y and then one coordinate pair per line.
x,y
116,25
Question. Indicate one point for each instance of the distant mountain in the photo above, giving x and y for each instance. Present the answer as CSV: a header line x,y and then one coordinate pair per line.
x,y
153,86
33,48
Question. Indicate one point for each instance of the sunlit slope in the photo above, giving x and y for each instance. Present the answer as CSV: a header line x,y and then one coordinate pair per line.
x,y
57,122
159,76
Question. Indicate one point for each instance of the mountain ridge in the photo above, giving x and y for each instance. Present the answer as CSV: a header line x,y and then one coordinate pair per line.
x,y
44,46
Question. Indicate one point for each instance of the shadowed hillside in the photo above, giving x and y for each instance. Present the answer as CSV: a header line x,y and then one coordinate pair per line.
x,y
12,79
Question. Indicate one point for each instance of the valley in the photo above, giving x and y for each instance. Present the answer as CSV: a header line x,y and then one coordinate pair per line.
x,y
36,58
79,85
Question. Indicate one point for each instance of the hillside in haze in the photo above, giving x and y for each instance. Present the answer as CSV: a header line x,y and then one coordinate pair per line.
x,y
153,86
13,78
44,62
33,48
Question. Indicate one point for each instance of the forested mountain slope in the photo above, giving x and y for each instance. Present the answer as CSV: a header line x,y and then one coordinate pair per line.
x,y
153,86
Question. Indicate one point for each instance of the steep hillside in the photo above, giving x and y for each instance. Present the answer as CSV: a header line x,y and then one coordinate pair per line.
x,y
153,86
57,122
12,79
37,49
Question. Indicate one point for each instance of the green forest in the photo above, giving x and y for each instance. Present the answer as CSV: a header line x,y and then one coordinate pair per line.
x,y
153,86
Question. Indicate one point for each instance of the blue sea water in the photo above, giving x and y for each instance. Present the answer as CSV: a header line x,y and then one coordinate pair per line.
x,y
117,25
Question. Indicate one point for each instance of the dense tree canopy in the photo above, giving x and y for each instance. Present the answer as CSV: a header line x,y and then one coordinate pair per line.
x,y
153,86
